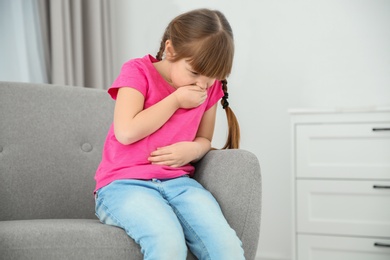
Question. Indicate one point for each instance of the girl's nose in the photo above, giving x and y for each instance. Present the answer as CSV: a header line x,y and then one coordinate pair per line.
x,y
205,82
202,85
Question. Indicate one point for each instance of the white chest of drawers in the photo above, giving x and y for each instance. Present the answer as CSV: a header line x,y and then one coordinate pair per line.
x,y
341,184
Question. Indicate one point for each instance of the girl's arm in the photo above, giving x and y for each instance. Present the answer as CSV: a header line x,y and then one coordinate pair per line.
x,y
132,122
205,133
182,153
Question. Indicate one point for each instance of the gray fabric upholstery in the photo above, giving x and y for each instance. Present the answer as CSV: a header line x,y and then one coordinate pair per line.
x,y
51,138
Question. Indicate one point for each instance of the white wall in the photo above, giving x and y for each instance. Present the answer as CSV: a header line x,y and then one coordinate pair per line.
x,y
303,53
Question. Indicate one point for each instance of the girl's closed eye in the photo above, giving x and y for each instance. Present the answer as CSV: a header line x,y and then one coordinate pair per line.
x,y
194,73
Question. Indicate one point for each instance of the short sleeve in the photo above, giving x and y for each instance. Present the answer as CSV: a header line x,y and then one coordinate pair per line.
x,y
132,75
215,93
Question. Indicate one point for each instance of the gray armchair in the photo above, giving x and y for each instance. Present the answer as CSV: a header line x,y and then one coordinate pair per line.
x,y
51,138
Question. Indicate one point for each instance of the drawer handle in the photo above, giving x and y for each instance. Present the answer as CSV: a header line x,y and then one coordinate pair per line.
x,y
381,129
381,187
381,245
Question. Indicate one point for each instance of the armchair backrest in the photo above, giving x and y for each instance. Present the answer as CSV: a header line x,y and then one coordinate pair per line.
x,y
51,138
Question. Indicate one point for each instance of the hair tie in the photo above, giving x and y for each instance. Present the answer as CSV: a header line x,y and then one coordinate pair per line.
x,y
225,103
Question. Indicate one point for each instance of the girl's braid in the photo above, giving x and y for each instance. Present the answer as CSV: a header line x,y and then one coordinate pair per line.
x,y
233,140
160,53
224,100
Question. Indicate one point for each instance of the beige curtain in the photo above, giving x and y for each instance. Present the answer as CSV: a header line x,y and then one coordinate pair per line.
x,y
77,37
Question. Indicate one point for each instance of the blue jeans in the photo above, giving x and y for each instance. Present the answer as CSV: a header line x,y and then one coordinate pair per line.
x,y
166,216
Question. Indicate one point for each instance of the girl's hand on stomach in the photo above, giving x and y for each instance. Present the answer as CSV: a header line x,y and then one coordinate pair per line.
x,y
176,155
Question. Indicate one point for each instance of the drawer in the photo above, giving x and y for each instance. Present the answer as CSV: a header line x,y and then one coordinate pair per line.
x,y
354,151
360,208
342,248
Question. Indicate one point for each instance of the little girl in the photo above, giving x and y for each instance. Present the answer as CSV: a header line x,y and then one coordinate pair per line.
x,y
164,120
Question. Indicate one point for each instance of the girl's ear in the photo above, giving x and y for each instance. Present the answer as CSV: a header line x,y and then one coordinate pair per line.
x,y
169,50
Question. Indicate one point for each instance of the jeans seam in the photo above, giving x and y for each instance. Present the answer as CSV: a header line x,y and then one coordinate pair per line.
x,y
119,223
188,226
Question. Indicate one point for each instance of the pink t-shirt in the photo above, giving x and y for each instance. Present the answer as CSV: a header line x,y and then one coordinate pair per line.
x,y
131,161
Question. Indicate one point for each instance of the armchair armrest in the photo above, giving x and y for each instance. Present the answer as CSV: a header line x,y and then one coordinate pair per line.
x,y
233,177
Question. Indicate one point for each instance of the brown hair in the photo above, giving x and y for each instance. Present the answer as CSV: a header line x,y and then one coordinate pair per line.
x,y
205,39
